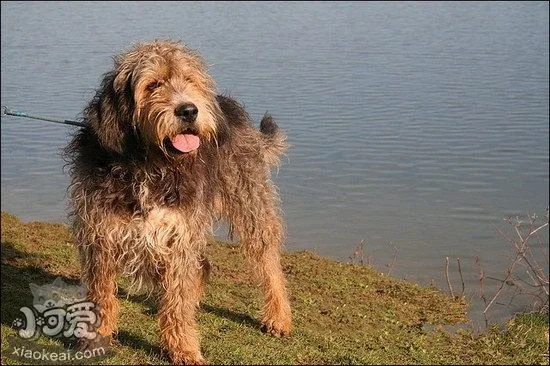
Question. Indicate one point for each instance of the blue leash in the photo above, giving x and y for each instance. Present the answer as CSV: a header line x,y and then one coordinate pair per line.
x,y
9,112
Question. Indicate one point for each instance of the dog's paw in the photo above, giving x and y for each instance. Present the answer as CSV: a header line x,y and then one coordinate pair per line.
x,y
188,358
276,327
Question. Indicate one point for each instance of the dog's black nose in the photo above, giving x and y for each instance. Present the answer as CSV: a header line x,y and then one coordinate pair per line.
x,y
187,112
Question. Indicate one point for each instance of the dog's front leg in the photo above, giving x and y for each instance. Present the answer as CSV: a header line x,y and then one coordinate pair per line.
x,y
99,275
181,290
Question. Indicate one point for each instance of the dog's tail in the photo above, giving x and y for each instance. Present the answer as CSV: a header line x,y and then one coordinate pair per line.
x,y
275,140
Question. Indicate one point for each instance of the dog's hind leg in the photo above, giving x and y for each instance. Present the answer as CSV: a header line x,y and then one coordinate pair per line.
x,y
276,312
260,228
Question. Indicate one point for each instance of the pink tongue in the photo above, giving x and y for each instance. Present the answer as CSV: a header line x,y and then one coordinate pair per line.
x,y
186,142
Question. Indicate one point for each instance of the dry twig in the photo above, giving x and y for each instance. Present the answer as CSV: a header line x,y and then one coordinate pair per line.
x,y
447,276
527,258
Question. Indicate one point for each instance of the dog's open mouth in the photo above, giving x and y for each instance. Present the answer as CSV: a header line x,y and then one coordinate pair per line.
x,y
183,142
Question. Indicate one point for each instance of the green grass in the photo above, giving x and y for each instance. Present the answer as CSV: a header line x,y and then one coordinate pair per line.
x,y
342,313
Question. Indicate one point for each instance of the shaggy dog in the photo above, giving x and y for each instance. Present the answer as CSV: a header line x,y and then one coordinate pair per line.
x,y
161,157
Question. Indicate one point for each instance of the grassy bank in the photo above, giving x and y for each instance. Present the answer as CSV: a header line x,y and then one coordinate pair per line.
x,y
342,313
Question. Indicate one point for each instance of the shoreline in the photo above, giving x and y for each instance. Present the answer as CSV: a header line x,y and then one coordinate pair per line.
x,y
343,313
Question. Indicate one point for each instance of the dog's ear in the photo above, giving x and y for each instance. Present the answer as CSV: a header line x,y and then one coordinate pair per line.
x,y
123,76
110,113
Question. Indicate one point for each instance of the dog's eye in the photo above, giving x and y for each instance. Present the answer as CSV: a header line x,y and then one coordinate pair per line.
x,y
154,85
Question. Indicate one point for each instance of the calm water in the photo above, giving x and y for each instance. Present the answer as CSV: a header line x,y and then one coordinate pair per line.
x,y
414,125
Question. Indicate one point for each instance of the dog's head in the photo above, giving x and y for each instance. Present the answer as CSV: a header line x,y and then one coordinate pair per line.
x,y
158,95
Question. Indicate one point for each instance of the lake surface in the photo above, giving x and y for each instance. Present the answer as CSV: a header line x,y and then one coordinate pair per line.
x,y
415,126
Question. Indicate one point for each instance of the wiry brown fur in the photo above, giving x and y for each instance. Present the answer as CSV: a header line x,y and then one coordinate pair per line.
x,y
146,212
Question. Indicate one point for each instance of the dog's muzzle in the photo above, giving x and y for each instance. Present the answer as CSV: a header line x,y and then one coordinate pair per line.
x,y
187,140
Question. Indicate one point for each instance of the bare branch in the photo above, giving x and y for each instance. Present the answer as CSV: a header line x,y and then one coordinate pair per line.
x,y
395,251
447,276
461,277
